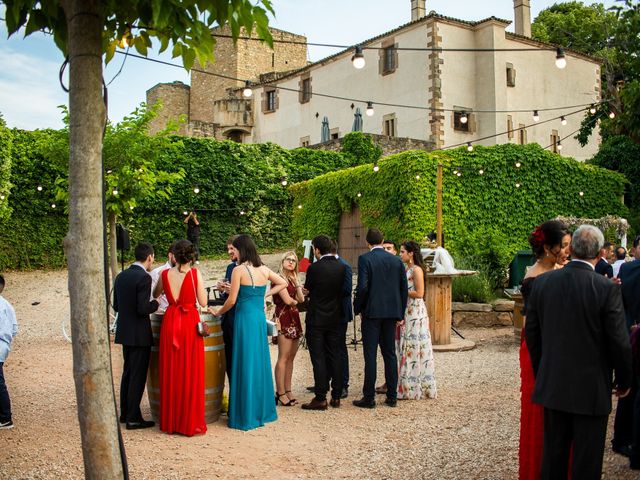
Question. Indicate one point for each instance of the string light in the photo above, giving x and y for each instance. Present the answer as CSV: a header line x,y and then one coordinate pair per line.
x,y
131,207
39,188
592,109
53,205
196,189
559,145
517,185
359,195
1,197
299,205
459,174
370,110
612,114
417,177
561,60
481,172
241,212
115,192
109,172
463,117
376,167
247,91
518,164
469,147
582,194
563,120
358,58
455,172
284,182
185,213
536,116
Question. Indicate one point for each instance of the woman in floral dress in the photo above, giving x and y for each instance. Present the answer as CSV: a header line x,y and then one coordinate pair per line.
x,y
416,377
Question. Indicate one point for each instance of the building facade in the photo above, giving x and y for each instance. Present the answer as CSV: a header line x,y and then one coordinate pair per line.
x,y
452,70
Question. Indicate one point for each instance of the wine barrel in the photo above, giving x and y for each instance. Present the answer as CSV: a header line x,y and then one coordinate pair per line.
x,y
214,368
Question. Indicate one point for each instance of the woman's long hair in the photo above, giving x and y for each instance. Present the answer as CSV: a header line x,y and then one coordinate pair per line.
x,y
184,252
293,276
414,249
247,251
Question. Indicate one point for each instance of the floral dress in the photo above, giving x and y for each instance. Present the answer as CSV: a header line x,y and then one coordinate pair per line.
x,y
416,377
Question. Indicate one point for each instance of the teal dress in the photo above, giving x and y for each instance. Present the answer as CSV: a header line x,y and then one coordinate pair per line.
x,y
251,394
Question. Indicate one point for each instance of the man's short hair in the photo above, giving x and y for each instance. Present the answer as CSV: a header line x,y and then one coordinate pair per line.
x,y
142,251
586,242
334,247
621,253
172,247
374,236
389,242
1,283
607,245
322,243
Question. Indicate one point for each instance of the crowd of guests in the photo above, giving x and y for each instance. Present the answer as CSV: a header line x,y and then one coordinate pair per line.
x,y
388,297
579,330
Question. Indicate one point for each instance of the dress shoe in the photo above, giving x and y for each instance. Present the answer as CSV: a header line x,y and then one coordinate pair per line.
x,y
315,404
335,402
391,402
624,450
382,389
345,393
364,403
140,424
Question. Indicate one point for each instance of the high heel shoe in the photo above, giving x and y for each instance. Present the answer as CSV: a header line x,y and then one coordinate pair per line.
x,y
280,402
293,401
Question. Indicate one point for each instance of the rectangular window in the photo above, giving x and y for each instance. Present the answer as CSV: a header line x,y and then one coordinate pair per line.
x,y
555,138
271,100
389,125
334,133
388,57
459,123
304,141
305,90
511,75
509,127
522,134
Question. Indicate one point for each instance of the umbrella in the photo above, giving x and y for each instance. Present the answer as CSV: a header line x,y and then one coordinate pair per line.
x,y
357,121
325,135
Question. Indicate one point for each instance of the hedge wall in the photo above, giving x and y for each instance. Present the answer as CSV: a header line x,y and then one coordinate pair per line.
x,y
475,206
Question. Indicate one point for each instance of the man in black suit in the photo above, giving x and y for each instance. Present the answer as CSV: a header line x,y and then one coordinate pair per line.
x,y
623,425
347,317
576,335
603,267
380,300
132,290
324,282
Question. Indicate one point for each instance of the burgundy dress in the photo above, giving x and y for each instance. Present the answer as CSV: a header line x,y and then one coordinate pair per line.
x,y
181,362
289,317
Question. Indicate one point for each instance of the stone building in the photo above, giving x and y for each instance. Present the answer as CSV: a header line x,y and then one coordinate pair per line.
x,y
474,71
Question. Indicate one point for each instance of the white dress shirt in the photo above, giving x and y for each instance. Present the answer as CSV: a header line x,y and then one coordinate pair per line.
x,y
8,328
163,303
616,267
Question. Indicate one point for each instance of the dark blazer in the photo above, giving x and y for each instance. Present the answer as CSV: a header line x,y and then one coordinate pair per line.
x,y
325,282
629,275
131,293
347,291
576,335
604,268
230,315
382,288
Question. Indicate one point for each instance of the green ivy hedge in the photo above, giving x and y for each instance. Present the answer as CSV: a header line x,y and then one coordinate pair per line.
x,y
475,206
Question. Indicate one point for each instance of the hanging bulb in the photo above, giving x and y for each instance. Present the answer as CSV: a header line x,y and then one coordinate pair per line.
x,y
358,58
53,205
592,109
559,145
241,212
536,116
39,188
115,192
455,172
563,120
2,197
561,60
612,114
109,172
284,182
196,189
517,185
370,111
185,213
417,177
582,194
481,172
246,91
469,147
459,174
299,206
518,164
359,194
376,167
464,118
131,207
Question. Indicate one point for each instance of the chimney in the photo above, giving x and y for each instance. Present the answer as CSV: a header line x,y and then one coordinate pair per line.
x,y
522,14
418,9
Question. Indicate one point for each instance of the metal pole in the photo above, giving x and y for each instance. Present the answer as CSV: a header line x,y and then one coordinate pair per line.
x,y
439,205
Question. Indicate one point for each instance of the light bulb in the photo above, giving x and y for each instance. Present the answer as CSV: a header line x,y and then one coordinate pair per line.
x,y
612,115
518,164
247,92
536,116
417,177
115,192
284,182
376,167
196,190
561,60
592,109
481,172
517,185
359,194
358,58
185,213
582,194
469,147
459,174
241,212
370,110
1,197
109,172
455,172
559,145
53,205
39,188
464,118
130,207
299,206
563,120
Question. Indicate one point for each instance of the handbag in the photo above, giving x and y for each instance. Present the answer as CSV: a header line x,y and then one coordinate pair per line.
x,y
202,328
272,330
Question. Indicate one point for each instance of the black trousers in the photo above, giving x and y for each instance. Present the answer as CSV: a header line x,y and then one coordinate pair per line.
x,y
379,331
227,337
635,449
586,433
5,402
134,377
195,240
326,358
344,355
623,423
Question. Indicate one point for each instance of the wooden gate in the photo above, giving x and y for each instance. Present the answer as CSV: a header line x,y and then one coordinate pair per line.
x,y
351,237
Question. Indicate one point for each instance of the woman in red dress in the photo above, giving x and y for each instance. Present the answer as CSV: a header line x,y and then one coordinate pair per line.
x,y
181,356
549,242
290,328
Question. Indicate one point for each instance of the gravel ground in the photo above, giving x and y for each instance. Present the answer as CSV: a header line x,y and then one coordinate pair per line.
x,y
470,431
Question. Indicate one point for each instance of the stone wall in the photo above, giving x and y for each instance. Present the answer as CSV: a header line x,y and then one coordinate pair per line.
x,y
498,313
389,145
175,103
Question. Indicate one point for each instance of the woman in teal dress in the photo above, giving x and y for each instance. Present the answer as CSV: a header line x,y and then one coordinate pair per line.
x,y
251,394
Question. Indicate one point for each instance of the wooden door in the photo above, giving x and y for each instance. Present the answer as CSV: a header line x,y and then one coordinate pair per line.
x,y
351,237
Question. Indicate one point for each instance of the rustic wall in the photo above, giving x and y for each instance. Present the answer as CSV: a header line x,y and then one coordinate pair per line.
x,y
175,103
389,145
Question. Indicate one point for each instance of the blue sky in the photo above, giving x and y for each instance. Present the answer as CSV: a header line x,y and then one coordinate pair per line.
x,y
30,92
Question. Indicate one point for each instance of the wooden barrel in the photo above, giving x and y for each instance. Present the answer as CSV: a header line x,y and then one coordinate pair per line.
x,y
214,368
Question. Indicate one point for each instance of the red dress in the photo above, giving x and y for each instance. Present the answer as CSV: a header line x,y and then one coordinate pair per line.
x,y
289,316
181,362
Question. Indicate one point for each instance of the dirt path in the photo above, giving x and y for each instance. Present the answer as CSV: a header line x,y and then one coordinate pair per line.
x,y
470,431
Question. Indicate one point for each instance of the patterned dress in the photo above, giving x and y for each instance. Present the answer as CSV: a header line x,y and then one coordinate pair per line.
x,y
416,377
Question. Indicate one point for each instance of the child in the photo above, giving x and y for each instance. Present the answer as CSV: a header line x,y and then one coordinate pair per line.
x,y
8,330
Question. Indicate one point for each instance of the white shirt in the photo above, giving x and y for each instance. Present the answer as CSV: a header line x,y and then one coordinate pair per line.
x,y
8,328
616,267
163,303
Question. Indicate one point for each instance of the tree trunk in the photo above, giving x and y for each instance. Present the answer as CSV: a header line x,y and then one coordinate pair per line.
x,y
113,251
84,244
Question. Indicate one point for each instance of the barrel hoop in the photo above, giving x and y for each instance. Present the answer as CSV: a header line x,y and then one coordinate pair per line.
x,y
214,348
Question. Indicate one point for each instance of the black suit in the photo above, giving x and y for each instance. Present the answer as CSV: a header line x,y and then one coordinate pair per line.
x,y
604,268
347,316
132,290
325,281
628,417
381,299
576,335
